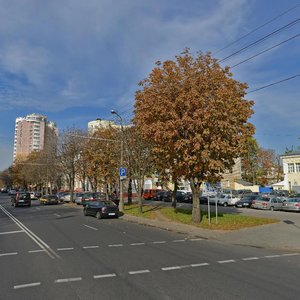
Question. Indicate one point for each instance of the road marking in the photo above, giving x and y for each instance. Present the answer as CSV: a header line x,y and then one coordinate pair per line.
x,y
137,244
36,251
159,242
33,236
199,265
64,249
90,227
171,268
178,241
26,285
290,254
10,232
272,256
90,247
226,261
195,240
8,254
38,208
67,280
57,215
138,272
104,276
250,258
116,245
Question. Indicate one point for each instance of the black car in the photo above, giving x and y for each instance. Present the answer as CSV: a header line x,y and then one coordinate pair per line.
x,y
246,201
163,195
20,199
101,209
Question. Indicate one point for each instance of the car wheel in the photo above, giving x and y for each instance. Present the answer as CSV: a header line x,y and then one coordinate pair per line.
x,y
225,204
272,208
98,215
84,212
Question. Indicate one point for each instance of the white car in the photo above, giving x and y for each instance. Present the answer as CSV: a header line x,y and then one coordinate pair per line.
x,y
227,199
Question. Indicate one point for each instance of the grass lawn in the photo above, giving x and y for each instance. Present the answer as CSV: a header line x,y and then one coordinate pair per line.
x,y
225,221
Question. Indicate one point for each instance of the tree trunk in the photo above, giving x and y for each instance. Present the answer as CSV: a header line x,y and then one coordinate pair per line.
x,y
130,191
174,200
140,196
196,213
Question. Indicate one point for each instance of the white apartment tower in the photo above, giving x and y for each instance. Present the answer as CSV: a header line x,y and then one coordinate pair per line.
x,y
33,133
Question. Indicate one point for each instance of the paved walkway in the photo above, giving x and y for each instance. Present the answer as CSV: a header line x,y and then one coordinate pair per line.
x,y
283,235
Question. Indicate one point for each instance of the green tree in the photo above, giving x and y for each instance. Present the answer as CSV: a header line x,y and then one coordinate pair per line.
x,y
196,114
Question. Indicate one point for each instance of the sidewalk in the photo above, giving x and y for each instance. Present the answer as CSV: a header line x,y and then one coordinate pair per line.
x,y
283,235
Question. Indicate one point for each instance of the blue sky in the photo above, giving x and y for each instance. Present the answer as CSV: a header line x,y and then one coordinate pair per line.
x,y
75,60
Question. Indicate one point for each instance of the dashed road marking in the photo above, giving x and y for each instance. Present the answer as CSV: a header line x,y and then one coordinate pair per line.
x,y
116,245
10,232
21,286
272,256
137,244
195,240
90,247
90,227
104,276
57,215
159,242
290,254
36,251
64,280
8,254
199,265
138,272
38,208
250,258
178,241
65,249
226,261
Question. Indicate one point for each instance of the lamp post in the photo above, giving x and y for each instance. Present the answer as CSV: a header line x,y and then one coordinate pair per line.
x,y
121,204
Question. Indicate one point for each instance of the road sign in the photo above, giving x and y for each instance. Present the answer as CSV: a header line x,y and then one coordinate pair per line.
x,y
123,172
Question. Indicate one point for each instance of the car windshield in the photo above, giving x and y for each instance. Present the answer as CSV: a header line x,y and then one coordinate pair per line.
x,y
266,199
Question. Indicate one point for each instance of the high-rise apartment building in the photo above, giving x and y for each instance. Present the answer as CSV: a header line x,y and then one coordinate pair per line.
x,y
33,133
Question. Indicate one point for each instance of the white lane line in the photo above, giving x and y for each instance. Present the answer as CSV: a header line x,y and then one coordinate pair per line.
x,y
272,256
171,268
64,249
116,245
290,254
10,232
90,227
138,272
104,276
199,265
36,251
67,280
37,208
226,261
195,240
26,285
178,241
8,254
90,247
159,242
57,215
137,244
250,258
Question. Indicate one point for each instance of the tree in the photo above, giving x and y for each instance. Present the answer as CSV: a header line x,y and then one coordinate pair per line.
x,y
250,161
197,117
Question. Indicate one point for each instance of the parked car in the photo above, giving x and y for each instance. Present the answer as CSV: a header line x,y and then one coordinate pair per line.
x,y
21,199
267,203
165,196
91,197
149,194
291,204
12,192
101,209
49,199
246,201
183,196
4,190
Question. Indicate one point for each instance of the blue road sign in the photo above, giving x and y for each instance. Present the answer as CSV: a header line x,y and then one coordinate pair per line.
x,y
123,172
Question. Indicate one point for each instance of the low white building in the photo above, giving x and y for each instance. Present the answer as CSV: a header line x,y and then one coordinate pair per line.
x,y
291,170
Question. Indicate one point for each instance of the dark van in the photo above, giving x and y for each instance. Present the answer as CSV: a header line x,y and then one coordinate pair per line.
x,y
21,199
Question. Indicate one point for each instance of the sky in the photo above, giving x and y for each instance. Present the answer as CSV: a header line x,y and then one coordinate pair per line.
x,y
74,61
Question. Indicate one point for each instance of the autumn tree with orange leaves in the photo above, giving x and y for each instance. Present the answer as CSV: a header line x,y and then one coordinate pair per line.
x,y
196,115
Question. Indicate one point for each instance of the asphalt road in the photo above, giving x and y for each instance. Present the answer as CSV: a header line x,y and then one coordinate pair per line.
x,y
54,252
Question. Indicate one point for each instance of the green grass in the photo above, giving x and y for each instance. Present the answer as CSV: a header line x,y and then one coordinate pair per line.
x,y
224,221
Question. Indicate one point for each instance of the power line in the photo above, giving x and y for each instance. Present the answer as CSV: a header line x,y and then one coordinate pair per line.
x,y
257,28
264,51
274,83
262,39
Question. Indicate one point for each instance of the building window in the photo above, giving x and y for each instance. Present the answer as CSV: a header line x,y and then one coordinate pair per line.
x,y
298,167
291,168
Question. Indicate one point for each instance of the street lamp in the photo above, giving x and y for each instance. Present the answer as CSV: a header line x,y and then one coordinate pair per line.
x,y
121,204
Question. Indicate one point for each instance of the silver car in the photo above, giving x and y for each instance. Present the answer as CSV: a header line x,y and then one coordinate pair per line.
x,y
267,203
291,204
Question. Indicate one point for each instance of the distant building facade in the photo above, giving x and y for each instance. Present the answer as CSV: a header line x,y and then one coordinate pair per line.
x,y
33,133
291,170
99,123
